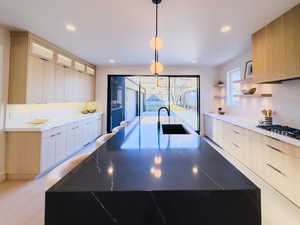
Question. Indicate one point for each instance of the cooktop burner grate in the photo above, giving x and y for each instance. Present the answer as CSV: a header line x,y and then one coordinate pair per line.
x,y
283,130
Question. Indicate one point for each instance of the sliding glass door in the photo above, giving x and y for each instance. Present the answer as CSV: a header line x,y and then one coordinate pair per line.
x,y
133,96
184,99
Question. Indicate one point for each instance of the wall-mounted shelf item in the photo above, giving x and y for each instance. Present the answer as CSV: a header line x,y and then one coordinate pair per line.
x,y
255,95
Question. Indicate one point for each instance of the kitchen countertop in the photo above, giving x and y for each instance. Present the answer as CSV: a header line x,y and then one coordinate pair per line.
x,y
141,173
52,123
238,121
133,153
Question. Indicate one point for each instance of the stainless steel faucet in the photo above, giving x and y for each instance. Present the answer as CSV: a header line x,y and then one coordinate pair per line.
x,y
168,111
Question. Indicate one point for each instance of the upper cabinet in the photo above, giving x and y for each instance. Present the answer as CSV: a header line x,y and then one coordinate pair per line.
x,y
40,73
64,61
41,51
276,49
90,71
79,67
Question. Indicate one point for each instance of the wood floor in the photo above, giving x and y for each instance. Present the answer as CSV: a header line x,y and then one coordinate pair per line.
x,y
22,203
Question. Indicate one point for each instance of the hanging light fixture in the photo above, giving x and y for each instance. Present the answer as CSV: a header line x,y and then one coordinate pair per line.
x,y
156,44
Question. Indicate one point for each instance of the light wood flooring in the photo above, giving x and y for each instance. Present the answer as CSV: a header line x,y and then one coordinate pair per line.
x,y
22,202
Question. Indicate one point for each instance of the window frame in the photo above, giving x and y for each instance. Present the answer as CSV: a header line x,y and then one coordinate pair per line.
x,y
229,91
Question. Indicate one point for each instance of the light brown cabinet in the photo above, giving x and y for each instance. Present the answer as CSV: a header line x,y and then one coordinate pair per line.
x,y
40,72
60,83
30,154
35,80
291,23
277,162
276,49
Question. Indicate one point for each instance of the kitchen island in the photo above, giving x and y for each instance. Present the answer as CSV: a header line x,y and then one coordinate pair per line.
x,y
144,177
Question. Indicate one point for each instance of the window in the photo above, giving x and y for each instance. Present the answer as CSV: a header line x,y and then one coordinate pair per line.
x,y
233,88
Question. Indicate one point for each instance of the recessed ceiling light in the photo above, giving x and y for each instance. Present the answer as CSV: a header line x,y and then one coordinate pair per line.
x,y
226,29
194,61
70,27
112,61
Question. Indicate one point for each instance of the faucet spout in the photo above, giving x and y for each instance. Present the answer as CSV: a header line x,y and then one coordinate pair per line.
x,y
158,120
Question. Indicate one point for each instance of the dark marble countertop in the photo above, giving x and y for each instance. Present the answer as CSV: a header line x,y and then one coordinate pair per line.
x,y
141,158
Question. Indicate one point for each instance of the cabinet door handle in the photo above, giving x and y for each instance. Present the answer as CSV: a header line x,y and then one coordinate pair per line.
x,y
235,145
277,170
236,132
53,135
275,149
44,59
59,133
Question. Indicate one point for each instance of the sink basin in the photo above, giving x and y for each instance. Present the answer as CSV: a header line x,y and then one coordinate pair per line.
x,y
174,129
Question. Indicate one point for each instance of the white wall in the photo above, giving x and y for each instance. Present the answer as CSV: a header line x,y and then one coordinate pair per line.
x,y
208,77
4,71
285,100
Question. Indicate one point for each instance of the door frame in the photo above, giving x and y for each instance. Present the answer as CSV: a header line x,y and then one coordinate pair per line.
x,y
108,123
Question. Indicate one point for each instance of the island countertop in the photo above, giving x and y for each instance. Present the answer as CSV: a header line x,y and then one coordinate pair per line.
x,y
141,176
141,158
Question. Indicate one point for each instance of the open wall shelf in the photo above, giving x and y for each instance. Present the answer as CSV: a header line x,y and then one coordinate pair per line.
x,y
245,81
220,97
219,85
255,95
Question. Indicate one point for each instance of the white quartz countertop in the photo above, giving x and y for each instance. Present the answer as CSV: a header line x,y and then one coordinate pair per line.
x,y
52,123
251,125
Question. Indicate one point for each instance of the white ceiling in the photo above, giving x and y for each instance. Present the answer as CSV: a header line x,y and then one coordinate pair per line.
x,y
122,29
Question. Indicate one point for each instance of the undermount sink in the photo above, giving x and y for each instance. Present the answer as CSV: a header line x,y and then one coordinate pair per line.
x,y
174,129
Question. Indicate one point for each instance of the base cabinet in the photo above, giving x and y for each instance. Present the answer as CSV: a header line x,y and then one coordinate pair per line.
x,y
276,162
32,153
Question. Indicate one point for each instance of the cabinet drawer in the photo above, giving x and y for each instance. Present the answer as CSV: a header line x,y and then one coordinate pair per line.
x,y
239,136
274,143
276,158
277,179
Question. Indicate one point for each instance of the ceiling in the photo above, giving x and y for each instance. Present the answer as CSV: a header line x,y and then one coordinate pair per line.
x,y
122,29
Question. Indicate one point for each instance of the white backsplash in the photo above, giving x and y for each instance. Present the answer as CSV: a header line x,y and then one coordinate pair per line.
x,y
21,113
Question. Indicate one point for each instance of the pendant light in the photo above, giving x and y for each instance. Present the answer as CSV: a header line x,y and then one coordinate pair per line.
x,y
156,44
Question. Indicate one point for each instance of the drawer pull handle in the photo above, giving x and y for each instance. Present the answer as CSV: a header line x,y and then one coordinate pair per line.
x,y
58,133
275,149
53,135
44,59
236,132
277,170
235,145
274,139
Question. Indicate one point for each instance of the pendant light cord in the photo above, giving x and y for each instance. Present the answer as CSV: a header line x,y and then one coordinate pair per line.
x,y
156,34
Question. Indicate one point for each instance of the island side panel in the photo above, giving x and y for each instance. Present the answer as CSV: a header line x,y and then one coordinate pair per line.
x,y
234,207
